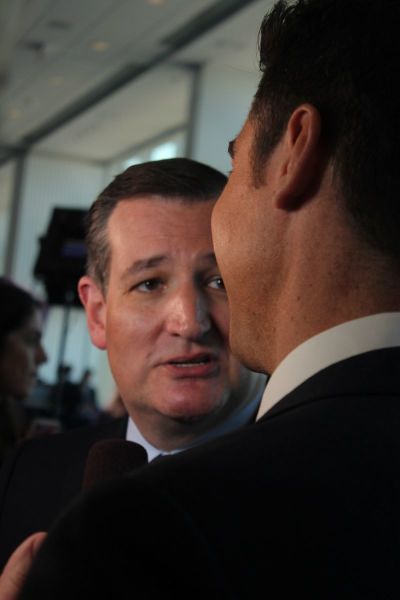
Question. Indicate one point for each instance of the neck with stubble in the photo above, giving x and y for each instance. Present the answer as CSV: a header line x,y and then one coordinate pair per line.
x,y
332,275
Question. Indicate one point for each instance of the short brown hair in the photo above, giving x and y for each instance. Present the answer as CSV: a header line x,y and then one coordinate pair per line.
x,y
173,179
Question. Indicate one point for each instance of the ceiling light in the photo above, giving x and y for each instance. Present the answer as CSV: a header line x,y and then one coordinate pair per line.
x,y
27,101
156,2
57,80
100,46
14,113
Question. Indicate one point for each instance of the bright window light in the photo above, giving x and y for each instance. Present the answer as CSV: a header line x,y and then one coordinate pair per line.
x,y
166,150
133,160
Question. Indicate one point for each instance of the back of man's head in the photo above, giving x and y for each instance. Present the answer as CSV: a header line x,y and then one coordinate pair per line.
x,y
342,57
173,179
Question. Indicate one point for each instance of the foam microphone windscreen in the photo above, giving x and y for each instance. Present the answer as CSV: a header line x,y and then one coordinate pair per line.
x,y
112,458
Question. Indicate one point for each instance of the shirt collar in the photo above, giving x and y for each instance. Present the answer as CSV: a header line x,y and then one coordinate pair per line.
x,y
331,346
133,435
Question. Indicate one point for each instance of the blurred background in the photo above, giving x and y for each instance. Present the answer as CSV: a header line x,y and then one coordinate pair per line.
x,y
88,87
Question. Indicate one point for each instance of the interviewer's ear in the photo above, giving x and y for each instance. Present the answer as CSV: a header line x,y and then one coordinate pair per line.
x,y
94,302
301,158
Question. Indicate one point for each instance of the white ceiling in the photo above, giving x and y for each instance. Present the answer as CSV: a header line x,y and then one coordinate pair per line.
x,y
55,64
138,112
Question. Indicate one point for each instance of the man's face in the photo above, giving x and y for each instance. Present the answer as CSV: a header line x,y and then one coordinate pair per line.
x,y
165,313
246,237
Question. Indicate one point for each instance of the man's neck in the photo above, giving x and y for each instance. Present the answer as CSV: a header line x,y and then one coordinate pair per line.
x,y
376,332
332,285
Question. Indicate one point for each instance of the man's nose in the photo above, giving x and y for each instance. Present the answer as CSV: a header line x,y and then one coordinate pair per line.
x,y
188,313
41,356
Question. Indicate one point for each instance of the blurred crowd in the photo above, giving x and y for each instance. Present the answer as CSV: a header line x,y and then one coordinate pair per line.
x,y
28,405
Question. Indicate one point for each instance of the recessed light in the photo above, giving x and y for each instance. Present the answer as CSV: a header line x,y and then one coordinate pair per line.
x,y
27,101
100,46
14,113
57,80
156,2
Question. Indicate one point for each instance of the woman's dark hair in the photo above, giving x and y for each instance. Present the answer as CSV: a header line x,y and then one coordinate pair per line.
x,y
16,305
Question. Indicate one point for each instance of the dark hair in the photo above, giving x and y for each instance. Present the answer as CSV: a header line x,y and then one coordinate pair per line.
x,y
172,179
341,56
16,305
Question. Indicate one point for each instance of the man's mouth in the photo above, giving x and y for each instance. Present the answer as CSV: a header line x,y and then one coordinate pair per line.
x,y
198,365
203,359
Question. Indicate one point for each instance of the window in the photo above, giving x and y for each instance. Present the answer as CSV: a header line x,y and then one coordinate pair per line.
x,y
166,150
170,146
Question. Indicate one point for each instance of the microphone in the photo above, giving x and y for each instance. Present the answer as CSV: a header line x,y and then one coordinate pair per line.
x,y
109,459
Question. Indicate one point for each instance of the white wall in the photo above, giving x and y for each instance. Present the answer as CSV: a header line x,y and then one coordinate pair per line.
x,y
225,96
50,182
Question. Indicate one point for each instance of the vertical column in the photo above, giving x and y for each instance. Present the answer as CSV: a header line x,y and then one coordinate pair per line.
x,y
15,209
223,99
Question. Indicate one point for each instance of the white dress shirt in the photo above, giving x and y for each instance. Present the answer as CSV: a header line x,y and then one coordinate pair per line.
x,y
331,346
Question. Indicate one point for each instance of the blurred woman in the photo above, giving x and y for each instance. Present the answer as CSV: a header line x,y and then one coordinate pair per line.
x,y
21,353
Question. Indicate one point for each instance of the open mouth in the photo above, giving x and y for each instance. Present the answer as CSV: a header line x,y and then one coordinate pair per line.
x,y
199,360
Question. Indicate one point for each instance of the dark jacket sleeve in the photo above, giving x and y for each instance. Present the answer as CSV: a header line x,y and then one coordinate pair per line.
x,y
122,540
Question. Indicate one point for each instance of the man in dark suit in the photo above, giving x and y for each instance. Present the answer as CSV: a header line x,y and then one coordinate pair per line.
x,y
305,502
155,301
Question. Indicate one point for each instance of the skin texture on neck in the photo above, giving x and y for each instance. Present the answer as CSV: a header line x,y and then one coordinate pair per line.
x,y
333,276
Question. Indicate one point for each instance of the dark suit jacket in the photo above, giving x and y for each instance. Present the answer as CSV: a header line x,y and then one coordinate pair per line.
x,y
41,477
304,503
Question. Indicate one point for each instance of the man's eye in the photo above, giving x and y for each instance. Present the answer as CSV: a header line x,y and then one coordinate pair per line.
x,y
149,285
216,283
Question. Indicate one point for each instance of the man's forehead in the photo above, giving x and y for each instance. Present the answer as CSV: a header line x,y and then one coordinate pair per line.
x,y
153,261
145,235
142,217
179,200
148,205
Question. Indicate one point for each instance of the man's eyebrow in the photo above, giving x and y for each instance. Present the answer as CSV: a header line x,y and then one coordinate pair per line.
x,y
143,264
231,148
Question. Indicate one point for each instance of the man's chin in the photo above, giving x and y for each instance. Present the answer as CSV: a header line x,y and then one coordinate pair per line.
x,y
189,411
190,419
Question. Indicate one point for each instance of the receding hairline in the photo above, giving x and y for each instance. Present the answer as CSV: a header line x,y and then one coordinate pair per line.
x,y
173,180
186,201
178,198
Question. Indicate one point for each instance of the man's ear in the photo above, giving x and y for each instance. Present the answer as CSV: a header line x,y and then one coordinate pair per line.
x,y
94,302
301,158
